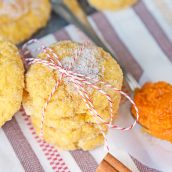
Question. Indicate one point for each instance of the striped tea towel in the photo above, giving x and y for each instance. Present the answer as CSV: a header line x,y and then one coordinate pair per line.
x,y
141,39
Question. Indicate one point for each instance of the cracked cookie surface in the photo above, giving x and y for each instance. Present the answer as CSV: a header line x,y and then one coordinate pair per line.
x,y
19,19
68,123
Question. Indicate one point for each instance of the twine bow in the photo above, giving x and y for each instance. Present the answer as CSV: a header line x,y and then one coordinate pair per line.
x,y
78,80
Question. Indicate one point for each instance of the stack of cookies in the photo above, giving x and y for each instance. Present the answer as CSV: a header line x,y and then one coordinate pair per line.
x,y
68,123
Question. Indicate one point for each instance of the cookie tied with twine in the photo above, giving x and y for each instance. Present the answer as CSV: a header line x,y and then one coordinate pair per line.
x,y
72,94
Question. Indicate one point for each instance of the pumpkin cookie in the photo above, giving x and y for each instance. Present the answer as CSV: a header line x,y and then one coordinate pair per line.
x,y
68,123
11,82
111,4
19,19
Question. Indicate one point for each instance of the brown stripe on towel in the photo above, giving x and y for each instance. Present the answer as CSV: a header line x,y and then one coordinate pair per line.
x,y
122,53
62,35
84,160
142,167
21,147
154,28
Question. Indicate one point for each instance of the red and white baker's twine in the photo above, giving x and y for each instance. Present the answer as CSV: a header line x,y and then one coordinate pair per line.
x,y
79,81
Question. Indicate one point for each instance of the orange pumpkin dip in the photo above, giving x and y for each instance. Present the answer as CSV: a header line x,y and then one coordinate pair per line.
x,y
154,101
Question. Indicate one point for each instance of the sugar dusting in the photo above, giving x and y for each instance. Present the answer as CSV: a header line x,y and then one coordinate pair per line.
x,y
15,8
86,63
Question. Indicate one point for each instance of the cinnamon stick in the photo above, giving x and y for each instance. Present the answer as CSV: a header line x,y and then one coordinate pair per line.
x,y
111,164
105,166
116,163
